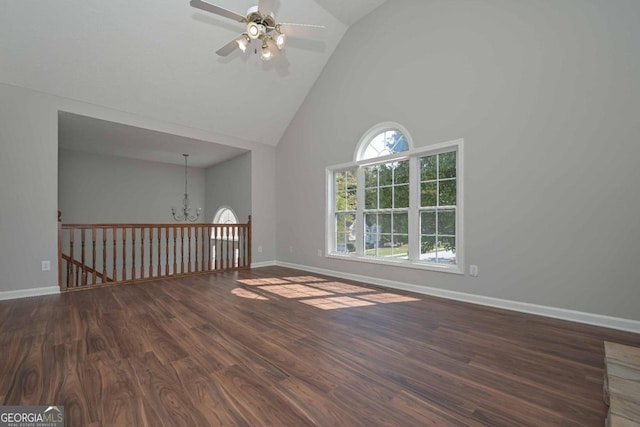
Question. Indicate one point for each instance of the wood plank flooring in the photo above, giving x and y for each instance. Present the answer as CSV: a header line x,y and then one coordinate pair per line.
x,y
280,347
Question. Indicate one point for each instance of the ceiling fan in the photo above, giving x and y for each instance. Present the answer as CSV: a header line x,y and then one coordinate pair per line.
x,y
261,27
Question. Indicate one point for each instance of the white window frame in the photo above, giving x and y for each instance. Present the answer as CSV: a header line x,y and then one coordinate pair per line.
x,y
414,156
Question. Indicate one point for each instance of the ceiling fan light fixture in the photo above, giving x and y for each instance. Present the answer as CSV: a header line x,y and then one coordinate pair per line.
x,y
266,55
254,30
281,39
243,42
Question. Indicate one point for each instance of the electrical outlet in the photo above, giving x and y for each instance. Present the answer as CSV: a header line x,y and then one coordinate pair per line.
x,y
46,265
319,252
473,270
290,249
260,249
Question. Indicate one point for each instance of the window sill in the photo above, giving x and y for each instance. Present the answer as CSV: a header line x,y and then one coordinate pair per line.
x,y
403,263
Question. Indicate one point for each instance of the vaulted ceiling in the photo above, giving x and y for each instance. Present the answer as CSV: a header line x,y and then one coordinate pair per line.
x,y
157,58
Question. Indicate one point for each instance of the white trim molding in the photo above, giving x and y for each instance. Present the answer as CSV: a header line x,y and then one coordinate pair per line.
x,y
540,310
25,293
263,264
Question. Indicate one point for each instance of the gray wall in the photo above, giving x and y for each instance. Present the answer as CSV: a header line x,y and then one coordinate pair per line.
x,y
95,188
229,184
29,177
263,204
545,94
28,189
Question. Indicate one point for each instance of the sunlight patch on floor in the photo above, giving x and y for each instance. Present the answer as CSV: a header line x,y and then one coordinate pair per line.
x,y
295,291
260,282
307,288
340,288
336,302
304,279
245,293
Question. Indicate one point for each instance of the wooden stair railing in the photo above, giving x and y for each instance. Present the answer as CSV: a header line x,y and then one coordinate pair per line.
x,y
93,255
82,271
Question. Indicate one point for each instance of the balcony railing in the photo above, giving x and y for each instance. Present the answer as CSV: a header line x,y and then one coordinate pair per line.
x,y
93,255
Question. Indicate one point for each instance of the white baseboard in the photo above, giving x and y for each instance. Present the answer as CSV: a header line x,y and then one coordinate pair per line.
x,y
24,293
263,264
541,310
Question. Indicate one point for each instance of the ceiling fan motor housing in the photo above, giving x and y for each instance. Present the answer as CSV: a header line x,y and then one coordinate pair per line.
x,y
259,25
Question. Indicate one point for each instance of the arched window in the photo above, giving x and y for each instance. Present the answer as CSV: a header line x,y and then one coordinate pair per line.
x,y
225,215
396,204
383,140
222,235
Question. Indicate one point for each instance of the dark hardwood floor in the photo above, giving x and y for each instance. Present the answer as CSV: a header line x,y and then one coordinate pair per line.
x,y
281,347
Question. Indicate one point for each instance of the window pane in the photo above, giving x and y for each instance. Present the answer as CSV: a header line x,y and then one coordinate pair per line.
x,y
371,176
384,223
447,250
352,179
371,198
376,147
340,202
386,197
428,222
401,223
401,196
340,182
385,242
345,190
447,222
400,248
447,165
341,222
345,232
428,168
428,191
396,141
371,231
339,190
401,173
371,219
401,240
386,174
341,242
427,248
447,193
351,200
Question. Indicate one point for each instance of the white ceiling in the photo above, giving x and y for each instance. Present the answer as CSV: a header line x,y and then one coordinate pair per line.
x,y
156,58
349,11
92,135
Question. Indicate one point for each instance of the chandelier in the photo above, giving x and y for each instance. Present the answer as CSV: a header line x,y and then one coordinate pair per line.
x,y
185,214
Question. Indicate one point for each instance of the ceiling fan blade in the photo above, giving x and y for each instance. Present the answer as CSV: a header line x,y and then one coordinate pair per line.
x,y
228,48
265,6
302,30
203,5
